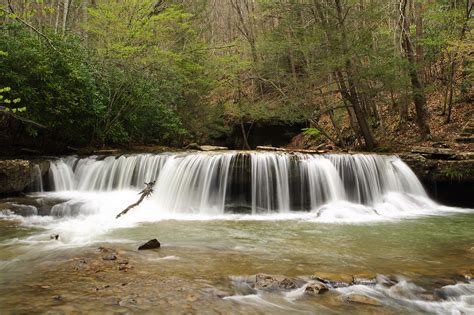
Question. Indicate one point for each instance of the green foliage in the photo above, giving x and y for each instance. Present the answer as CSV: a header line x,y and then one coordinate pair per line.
x,y
137,84
137,71
313,132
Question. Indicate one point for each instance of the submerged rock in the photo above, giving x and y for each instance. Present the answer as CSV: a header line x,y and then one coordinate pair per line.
x,y
362,299
151,244
109,257
269,282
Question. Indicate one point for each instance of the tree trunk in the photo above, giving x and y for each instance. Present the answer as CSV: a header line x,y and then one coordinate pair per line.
x,y
416,84
350,93
419,32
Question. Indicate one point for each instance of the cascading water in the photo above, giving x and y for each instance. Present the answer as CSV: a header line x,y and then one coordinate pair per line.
x,y
251,182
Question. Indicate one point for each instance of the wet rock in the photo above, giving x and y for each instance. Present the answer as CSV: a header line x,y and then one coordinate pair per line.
x,y
443,282
102,249
151,244
315,288
434,153
109,257
362,299
269,282
127,301
124,267
193,146
15,175
218,293
212,148
364,279
466,272
23,210
335,280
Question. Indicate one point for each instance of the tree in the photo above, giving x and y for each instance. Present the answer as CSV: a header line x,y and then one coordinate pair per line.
x,y
418,93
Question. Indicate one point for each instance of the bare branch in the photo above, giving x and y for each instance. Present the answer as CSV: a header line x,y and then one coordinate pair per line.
x,y
34,29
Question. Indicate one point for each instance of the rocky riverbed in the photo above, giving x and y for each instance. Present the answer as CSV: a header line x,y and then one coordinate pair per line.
x,y
221,267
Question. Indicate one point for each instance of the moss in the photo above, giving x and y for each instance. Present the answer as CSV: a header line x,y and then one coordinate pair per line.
x,y
458,172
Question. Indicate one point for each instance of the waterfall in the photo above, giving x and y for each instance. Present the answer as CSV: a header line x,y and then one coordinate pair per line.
x,y
36,179
110,173
249,182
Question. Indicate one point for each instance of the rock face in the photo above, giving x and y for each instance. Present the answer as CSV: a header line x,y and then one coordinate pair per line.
x,y
440,164
447,175
151,244
16,175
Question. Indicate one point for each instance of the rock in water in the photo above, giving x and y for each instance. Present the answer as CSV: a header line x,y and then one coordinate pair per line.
x,y
316,288
269,282
109,257
151,244
362,299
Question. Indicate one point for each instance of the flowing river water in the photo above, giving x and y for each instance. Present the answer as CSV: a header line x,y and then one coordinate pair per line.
x,y
221,219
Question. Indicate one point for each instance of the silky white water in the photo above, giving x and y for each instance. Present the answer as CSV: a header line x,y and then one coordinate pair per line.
x,y
261,182
90,192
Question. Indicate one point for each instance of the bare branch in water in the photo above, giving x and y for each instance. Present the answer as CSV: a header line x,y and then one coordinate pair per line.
x,y
146,192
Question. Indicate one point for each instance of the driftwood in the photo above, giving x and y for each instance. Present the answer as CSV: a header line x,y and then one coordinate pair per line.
x,y
147,191
316,151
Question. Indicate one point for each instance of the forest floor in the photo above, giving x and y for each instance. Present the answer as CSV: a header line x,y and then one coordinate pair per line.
x,y
402,138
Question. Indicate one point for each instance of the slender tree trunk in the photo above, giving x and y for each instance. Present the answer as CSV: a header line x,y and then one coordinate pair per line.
x,y
450,91
351,92
416,84
419,33
66,6
330,112
452,66
58,9
404,108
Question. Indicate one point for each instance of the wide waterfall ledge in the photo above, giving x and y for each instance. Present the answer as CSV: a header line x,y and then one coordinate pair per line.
x,y
328,188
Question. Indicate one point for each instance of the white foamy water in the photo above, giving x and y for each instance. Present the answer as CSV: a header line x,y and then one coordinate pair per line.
x,y
229,186
208,183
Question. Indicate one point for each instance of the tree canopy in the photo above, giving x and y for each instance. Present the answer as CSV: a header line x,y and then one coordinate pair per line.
x,y
171,71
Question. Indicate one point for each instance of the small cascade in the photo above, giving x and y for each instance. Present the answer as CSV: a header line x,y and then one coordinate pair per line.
x,y
105,174
61,175
243,182
36,179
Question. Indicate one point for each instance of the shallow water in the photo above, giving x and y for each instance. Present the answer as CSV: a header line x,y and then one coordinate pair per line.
x,y
425,255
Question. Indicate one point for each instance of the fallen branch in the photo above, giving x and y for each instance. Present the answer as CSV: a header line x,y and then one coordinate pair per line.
x,y
147,191
4,111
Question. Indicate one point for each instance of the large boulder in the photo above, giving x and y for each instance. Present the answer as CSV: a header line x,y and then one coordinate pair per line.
x,y
16,175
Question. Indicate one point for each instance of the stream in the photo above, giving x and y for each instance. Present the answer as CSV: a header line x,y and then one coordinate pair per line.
x,y
223,218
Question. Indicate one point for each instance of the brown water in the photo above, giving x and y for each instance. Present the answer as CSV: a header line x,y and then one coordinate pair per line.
x,y
201,262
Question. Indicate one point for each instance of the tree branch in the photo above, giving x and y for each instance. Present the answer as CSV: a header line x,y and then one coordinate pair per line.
x,y
34,29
